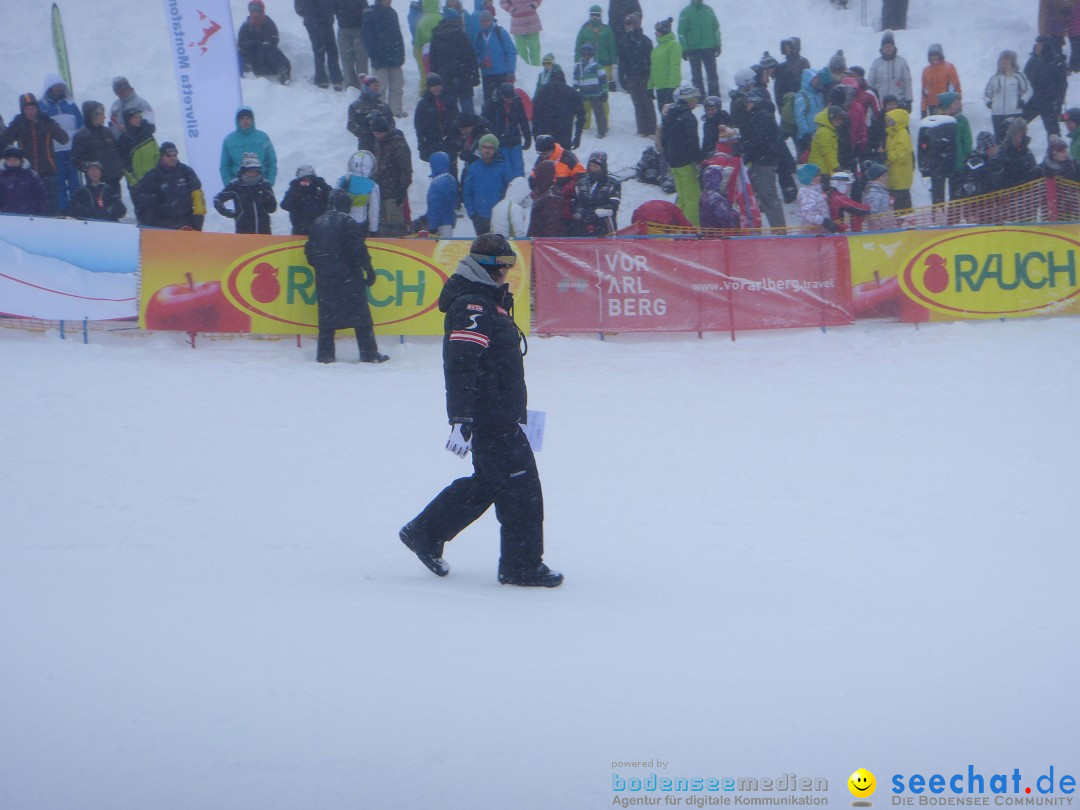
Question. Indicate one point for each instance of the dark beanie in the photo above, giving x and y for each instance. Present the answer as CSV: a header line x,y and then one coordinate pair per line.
x,y
168,146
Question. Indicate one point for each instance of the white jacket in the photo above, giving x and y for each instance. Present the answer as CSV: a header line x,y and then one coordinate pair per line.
x,y
891,77
510,216
1006,93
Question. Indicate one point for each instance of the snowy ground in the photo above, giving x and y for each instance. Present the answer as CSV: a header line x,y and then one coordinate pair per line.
x,y
796,553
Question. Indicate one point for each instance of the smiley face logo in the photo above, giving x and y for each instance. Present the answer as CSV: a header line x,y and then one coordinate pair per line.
x,y
862,783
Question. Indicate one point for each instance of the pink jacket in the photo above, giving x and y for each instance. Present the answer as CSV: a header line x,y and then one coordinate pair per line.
x,y
523,16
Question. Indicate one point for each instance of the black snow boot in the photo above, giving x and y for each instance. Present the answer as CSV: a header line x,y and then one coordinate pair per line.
x,y
433,560
539,577
374,358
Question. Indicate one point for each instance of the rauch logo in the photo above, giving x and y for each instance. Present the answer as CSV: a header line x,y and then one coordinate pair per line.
x,y
278,284
1004,272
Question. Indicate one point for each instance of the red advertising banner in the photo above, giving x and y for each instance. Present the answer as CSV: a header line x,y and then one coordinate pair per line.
x,y
690,285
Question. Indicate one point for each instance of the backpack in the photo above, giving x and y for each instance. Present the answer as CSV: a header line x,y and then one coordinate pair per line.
x,y
937,145
787,116
648,168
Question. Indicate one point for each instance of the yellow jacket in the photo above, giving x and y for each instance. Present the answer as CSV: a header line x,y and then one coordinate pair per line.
x,y
899,151
825,148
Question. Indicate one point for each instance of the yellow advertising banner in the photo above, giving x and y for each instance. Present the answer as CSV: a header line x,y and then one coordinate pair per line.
x,y
1011,271
217,282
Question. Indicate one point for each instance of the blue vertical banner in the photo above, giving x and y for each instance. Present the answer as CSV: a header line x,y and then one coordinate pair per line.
x,y
203,48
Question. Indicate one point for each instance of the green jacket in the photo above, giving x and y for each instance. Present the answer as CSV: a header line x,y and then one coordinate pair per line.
x,y
1074,144
666,68
601,38
698,28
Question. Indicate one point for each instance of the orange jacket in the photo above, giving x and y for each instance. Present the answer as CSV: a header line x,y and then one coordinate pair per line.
x,y
938,77
563,169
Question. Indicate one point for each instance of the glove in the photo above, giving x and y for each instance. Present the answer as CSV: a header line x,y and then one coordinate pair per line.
x,y
603,212
611,86
460,441
369,276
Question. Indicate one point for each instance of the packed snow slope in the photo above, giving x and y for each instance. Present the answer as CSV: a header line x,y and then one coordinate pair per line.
x,y
798,553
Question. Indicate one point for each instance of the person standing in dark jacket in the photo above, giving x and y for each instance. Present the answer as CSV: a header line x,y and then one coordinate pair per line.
x,y
393,173
350,39
386,51
486,401
635,61
559,111
252,199
761,145
96,200
1048,73
170,195
318,17
453,57
682,149
337,251
434,120
96,142
715,117
306,199
1015,162
138,149
789,73
510,125
21,189
257,45
368,103
35,133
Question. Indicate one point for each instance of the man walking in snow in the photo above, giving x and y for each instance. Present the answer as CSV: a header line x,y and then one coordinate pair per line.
x,y
486,403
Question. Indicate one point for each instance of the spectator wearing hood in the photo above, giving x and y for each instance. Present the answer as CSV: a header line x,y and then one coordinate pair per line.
x,y
525,28
699,37
1048,74
787,78
95,142
252,199
21,189
37,134
393,173
138,147
900,156
96,200
350,40
257,46
635,63
510,215
452,57
359,182
889,74
508,122
665,67
369,103
247,140
126,99
485,184
442,197
57,103
558,111
1057,162
306,199
594,205
825,148
495,53
808,103
318,17
337,250
938,76
1016,162
1007,92
386,51
169,195
548,216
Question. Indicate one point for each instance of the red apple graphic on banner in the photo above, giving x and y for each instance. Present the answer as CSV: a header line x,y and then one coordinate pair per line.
x,y
936,274
265,287
197,306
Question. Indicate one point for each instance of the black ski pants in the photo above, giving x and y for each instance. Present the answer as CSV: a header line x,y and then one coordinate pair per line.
x,y
504,474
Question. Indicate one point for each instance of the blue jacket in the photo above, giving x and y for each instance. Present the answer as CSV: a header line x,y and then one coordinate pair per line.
x,y
64,111
485,185
808,103
241,141
495,53
381,33
442,193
